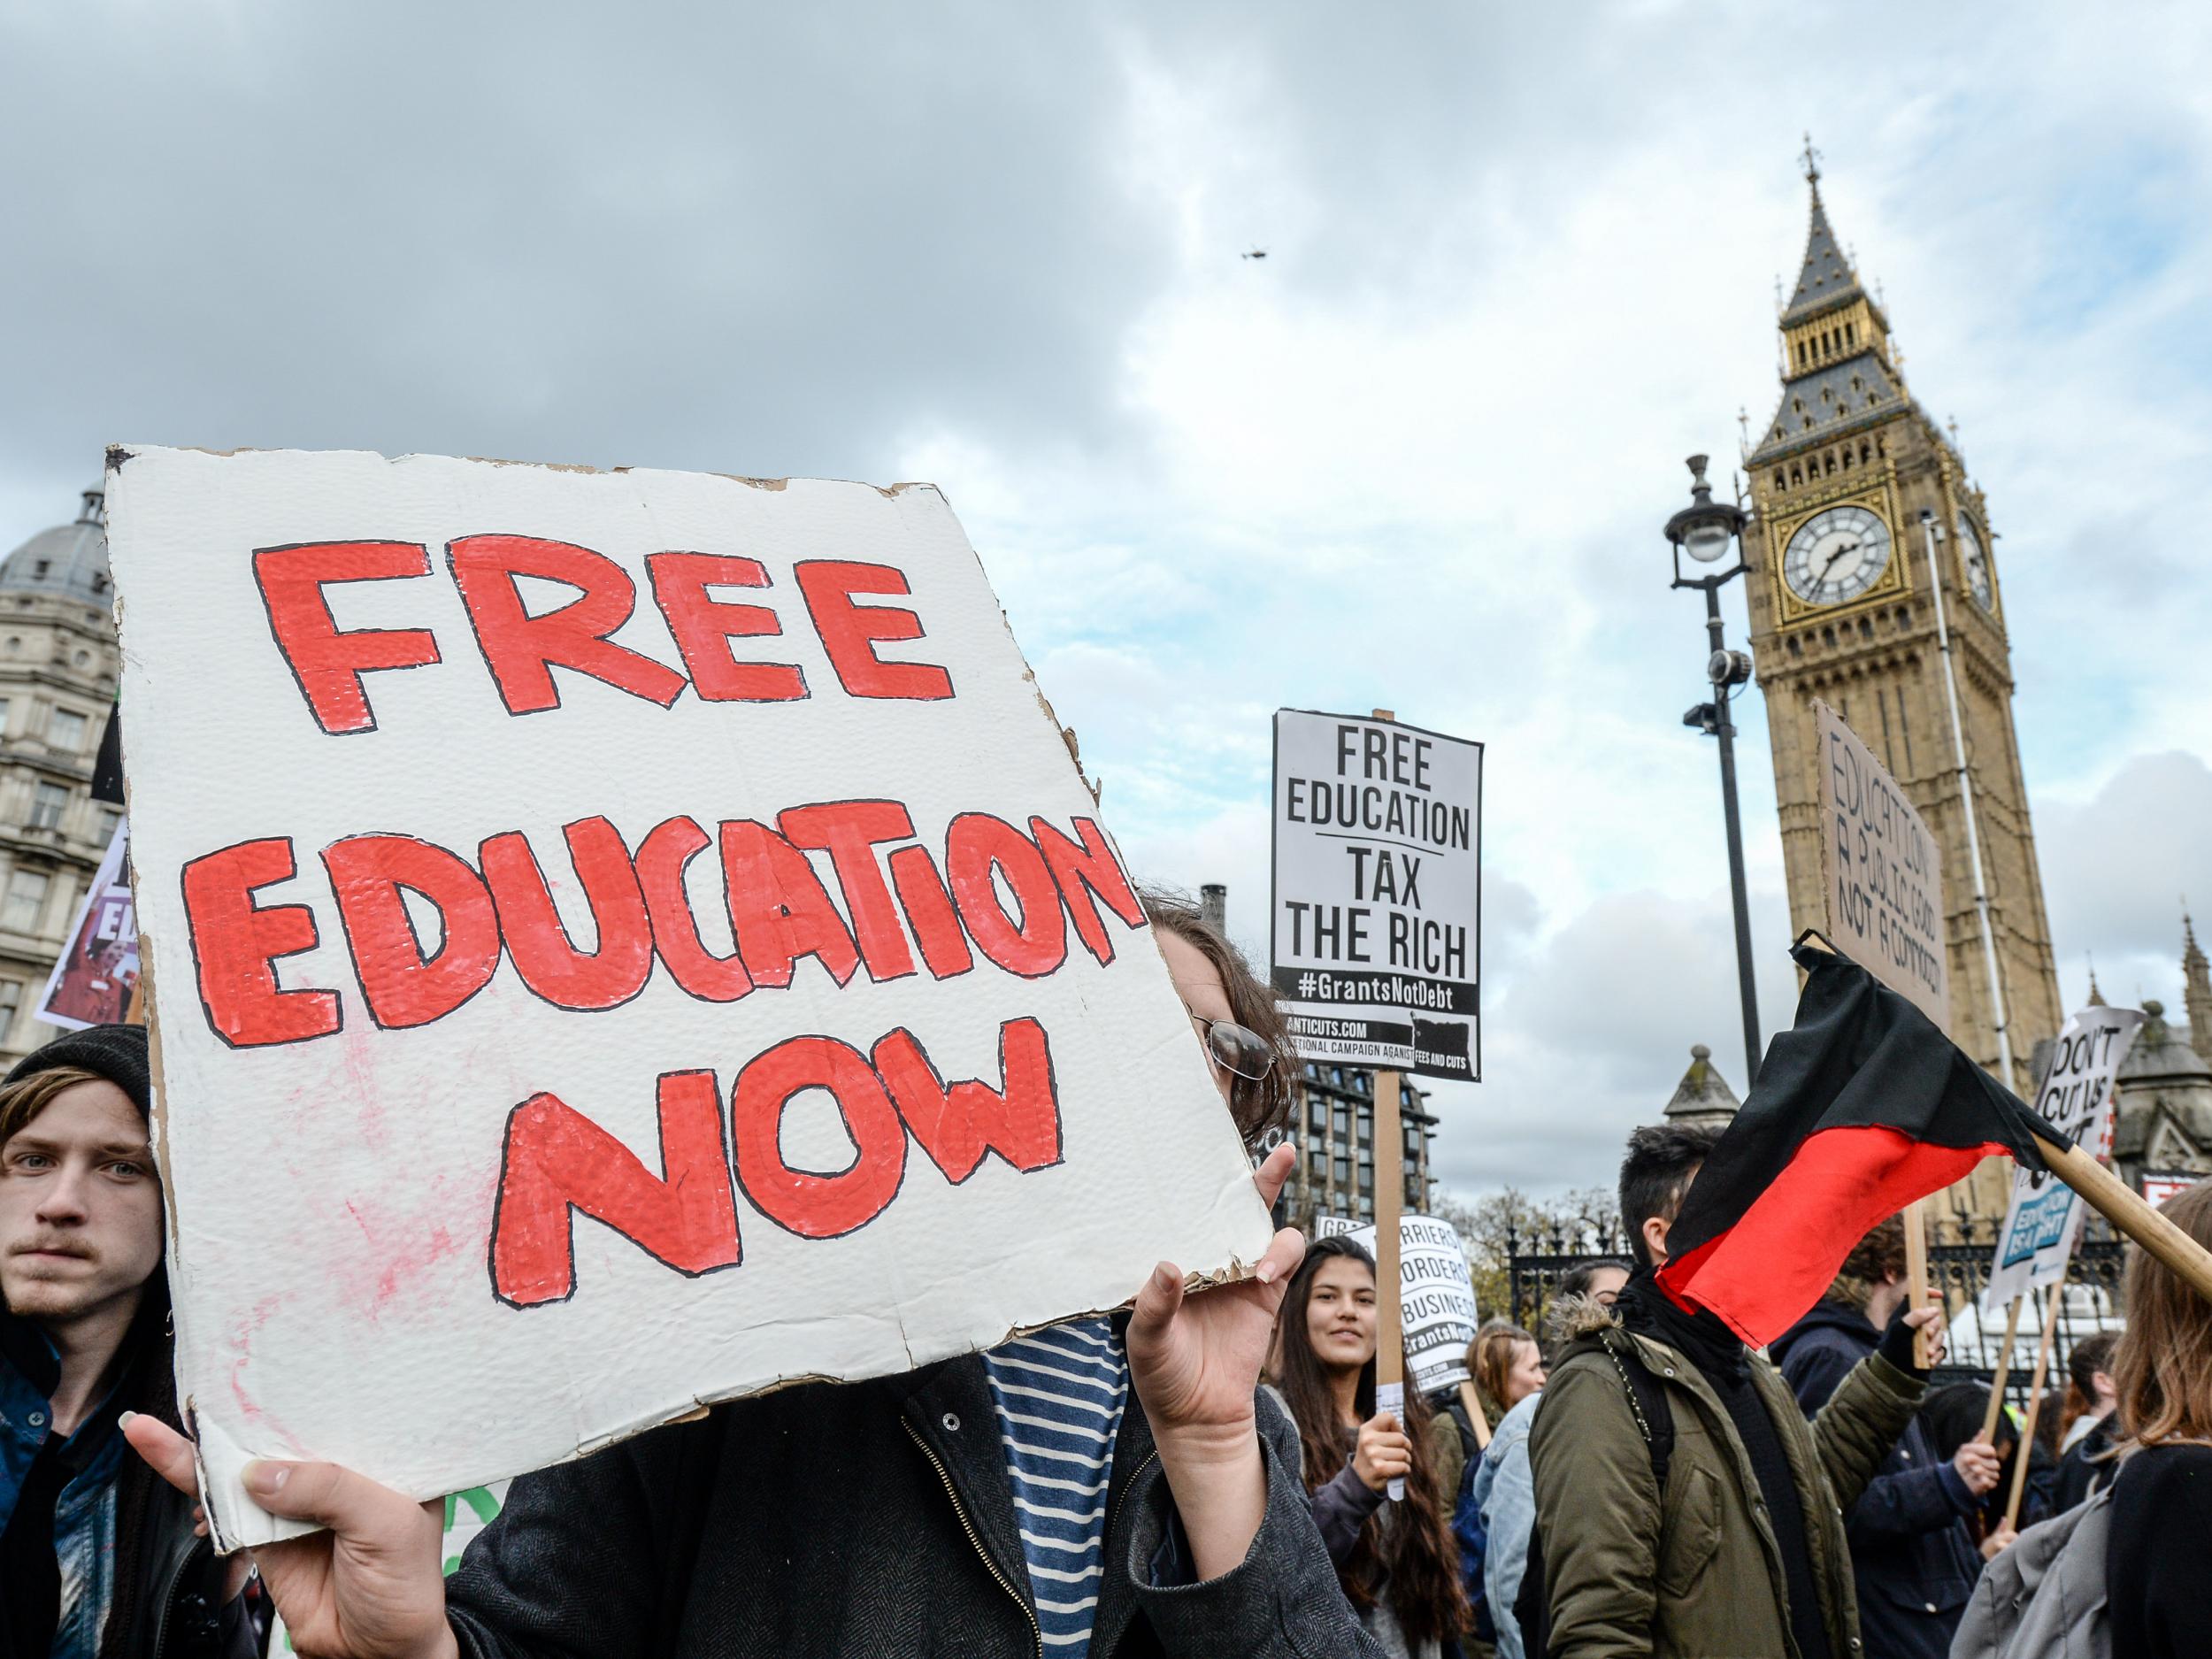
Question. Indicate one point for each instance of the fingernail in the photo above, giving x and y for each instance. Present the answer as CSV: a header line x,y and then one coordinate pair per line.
x,y
124,1421
1164,1277
266,1479
1269,1272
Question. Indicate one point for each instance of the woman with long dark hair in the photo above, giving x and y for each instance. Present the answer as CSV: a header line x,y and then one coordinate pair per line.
x,y
1397,1562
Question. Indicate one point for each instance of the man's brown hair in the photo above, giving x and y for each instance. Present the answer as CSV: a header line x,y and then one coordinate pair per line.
x,y
2164,1363
24,1099
1872,1260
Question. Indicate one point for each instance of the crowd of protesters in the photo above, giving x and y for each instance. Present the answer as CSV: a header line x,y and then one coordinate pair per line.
x,y
1195,1475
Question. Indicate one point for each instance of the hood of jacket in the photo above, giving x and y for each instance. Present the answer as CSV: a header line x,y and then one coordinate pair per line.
x,y
1825,1315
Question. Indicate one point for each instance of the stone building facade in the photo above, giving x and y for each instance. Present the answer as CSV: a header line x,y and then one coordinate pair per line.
x,y
2162,1121
1335,1130
57,669
1861,511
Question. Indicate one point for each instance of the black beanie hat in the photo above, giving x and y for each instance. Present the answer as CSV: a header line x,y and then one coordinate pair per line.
x,y
117,1053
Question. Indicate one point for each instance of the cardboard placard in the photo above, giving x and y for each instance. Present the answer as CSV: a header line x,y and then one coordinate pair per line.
x,y
625,941
98,970
1378,893
1883,871
2043,1221
1436,1300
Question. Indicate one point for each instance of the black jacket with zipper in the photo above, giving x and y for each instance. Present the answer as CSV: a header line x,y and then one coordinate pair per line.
x,y
865,1518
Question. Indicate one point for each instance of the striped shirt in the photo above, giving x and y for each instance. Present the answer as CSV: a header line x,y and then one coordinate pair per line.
x,y
1059,1395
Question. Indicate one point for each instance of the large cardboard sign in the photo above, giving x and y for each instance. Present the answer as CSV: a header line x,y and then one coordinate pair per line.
x,y
1883,871
98,970
1436,1295
1378,893
2043,1222
622,941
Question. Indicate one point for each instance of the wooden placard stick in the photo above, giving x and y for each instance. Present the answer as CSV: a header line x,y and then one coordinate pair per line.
x,y
1923,1339
2022,1452
1473,1400
2110,1197
1390,1354
1988,1436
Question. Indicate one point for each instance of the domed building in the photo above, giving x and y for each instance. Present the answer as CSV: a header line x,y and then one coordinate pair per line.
x,y
57,669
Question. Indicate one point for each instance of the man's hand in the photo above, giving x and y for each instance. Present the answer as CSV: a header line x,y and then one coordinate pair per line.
x,y
369,1588
1385,1454
1978,1466
1934,1339
1998,1542
1194,1361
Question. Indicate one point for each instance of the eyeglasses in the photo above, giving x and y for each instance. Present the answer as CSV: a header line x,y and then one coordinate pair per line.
x,y
1236,1049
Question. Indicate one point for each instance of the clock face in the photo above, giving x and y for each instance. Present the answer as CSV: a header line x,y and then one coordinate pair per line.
x,y
1836,555
1975,557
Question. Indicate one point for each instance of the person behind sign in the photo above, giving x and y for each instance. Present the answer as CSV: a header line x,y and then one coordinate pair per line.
x,y
1913,1555
2085,1465
96,1555
1397,1562
1113,1486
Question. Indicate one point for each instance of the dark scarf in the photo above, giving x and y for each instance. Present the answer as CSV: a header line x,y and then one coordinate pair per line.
x,y
1700,1338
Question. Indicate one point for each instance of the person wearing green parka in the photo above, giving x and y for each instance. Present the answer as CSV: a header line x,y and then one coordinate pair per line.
x,y
1744,1553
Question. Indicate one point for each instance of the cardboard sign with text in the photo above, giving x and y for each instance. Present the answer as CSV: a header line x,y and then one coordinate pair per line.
x,y
1882,871
1436,1300
2043,1222
623,940
98,970
1377,928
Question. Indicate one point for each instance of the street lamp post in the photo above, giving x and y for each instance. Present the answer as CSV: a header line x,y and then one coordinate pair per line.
x,y
1708,531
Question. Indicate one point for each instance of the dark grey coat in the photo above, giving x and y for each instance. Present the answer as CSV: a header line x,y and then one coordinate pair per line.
x,y
865,1518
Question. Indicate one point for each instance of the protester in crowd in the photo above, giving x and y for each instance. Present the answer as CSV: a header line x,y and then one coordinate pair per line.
x,y
1951,1416
98,1554
1506,1367
1914,1545
1502,1490
1601,1281
2085,1464
1397,1562
912,1514
1726,1557
2158,1591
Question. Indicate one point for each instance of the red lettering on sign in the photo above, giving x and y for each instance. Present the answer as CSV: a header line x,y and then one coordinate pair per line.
x,y
522,650
778,909
661,859
929,912
850,632
978,847
1093,866
537,940
705,626
404,985
849,831
327,660
556,1160
812,1204
956,1125
236,942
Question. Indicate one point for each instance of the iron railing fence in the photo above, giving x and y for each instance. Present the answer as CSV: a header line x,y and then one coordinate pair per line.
x,y
1960,1254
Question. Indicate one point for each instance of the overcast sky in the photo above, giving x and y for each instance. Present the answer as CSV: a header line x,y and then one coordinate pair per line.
x,y
1520,262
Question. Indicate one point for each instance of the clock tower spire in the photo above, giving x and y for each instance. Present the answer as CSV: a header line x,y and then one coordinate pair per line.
x,y
1862,506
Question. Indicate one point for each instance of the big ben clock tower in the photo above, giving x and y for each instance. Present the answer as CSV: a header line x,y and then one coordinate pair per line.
x,y
1861,511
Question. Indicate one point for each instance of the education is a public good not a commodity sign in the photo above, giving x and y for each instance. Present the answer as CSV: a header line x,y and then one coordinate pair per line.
x,y
622,941
1375,929
1883,871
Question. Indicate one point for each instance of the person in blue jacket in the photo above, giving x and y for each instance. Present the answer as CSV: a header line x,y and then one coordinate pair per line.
x,y
1913,1554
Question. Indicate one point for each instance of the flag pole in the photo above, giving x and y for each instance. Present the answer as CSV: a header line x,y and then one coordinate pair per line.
x,y
1390,1187
1923,1339
1988,1436
2024,1448
2110,1197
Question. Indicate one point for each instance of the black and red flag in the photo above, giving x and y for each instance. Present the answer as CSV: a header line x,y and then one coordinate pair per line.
x,y
1862,1107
